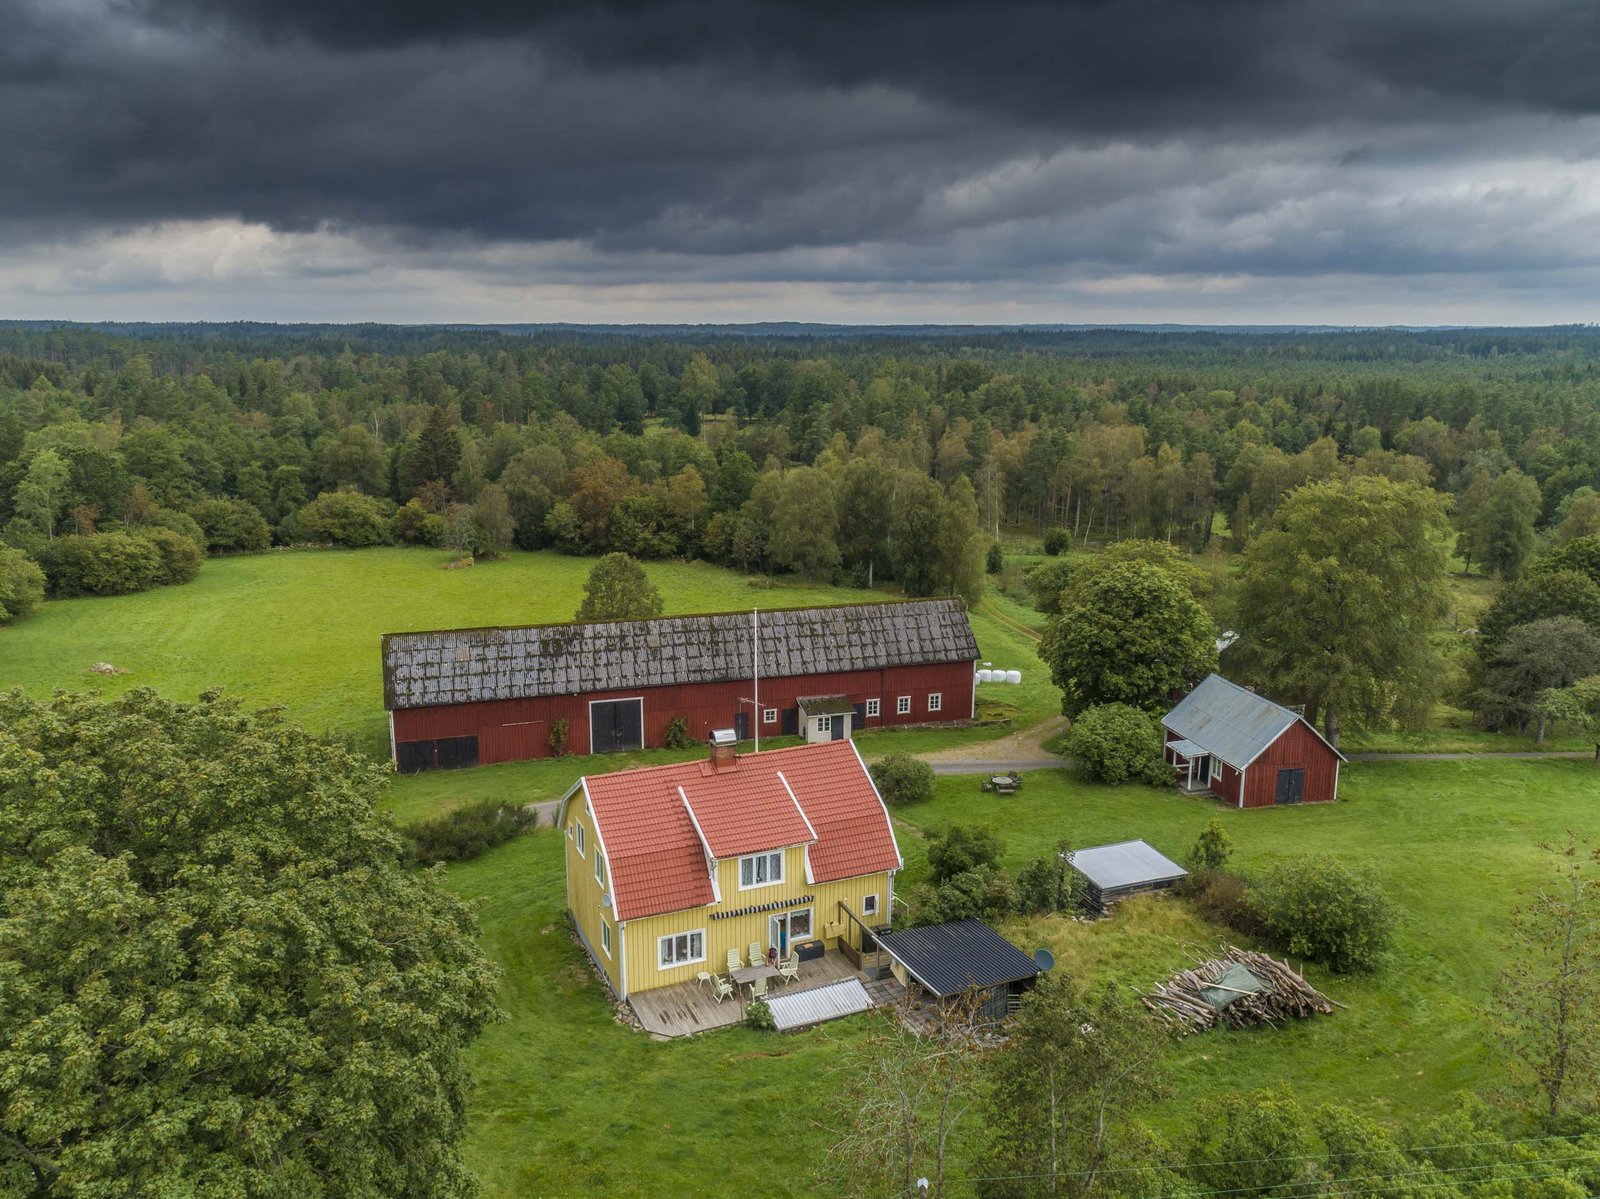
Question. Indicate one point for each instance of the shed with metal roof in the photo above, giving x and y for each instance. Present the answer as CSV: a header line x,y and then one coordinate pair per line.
x,y
1229,740
1114,872
958,958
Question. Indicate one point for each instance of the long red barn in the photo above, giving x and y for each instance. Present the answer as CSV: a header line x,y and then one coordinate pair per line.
x,y
461,697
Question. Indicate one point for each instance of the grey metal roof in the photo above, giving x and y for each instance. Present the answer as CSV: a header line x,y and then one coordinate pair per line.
x,y
949,958
1125,864
454,666
1229,721
805,1008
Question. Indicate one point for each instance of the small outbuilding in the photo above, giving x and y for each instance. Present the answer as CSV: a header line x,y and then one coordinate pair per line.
x,y
1226,739
1114,872
960,957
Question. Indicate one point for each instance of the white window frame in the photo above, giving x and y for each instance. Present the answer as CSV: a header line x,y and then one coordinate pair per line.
x,y
811,932
579,840
769,716
605,936
600,869
824,724
869,904
753,858
872,708
902,706
935,701
671,939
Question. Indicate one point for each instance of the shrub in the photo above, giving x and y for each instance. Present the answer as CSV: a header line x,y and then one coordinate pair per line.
x,y
21,585
468,831
758,1015
677,734
902,779
962,847
345,518
415,525
1046,884
1318,908
983,893
180,556
231,526
559,736
1212,848
106,564
171,518
995,559
1117,742
1055,541
1223,899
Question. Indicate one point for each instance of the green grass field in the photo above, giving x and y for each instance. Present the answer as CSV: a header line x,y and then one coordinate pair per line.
x,y
570,1102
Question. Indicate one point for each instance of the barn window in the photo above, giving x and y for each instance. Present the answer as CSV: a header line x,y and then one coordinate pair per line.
x,y
760,870
872,707
935,701
682,949
769,716
902,706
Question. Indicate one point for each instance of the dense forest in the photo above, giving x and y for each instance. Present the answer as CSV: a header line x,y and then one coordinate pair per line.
x,y
860,454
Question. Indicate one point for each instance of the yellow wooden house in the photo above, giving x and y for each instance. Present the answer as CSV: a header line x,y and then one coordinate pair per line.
x,y
670,867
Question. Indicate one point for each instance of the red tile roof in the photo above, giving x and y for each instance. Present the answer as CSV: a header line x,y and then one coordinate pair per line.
x,y
657,859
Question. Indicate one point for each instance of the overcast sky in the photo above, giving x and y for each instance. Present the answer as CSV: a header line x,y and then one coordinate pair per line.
x,y
1317,161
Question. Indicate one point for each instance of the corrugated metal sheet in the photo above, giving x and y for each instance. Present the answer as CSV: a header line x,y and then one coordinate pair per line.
x,y
949,958
1125,864
1228,721
822,1003
473,665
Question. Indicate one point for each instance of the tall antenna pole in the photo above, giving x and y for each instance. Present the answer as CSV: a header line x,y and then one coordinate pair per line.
x,y
755,647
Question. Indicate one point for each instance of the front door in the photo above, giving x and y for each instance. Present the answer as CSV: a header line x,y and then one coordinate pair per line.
x,y
1291,785
1202,770
838,728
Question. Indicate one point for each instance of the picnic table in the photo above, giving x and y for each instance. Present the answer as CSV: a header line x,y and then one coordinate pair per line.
x,y
749,974
1003,784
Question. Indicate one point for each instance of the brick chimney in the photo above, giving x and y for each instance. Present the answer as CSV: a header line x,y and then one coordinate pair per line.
x,y
723,744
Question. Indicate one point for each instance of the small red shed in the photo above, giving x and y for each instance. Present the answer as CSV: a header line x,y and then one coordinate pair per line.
x,y
460,697
1252,752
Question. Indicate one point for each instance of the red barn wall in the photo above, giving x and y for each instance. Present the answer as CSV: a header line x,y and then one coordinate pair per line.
x,y
1296,746
1225,781
509,730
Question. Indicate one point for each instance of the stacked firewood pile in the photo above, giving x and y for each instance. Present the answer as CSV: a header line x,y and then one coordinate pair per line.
x,y
1283,994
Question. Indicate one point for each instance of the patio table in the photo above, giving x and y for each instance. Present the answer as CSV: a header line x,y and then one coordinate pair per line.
x,y
750,973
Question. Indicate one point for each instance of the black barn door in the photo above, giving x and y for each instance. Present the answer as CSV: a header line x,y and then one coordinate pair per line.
x,y
1291,785
789,722
741,725
838,728
616,724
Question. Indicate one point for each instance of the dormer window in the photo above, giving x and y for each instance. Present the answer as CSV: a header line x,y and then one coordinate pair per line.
x,y
760,870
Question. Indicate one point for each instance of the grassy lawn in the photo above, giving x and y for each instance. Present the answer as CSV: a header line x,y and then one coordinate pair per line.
x,y
570,1102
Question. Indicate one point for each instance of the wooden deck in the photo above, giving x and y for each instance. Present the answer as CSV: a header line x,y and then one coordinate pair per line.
x,y
686,1008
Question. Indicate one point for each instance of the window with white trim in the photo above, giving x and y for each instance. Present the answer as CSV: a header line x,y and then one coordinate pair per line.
x,y
605,937
580,842
872,707
823,724
935,700
769,716
681,949
760,870
600,868
800,925
869,905
902,706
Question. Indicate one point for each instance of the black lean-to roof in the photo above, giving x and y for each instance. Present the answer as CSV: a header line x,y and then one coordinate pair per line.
x,y
949,958
456,666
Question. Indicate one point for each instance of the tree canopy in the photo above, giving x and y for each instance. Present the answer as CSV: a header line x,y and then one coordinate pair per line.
x,y
1338,597
618,589
217,974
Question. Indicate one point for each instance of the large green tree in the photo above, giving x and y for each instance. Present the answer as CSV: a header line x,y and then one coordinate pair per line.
x,y
1129,633
1338,597
1533,659
1496,517
618,589
217,974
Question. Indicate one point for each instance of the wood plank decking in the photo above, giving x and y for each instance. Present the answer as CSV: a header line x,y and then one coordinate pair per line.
x,y
685,1008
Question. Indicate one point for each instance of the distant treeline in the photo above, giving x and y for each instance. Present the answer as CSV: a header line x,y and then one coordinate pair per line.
x,y
894,455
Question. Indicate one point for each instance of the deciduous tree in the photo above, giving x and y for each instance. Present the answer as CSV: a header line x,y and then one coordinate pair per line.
x,y
618,589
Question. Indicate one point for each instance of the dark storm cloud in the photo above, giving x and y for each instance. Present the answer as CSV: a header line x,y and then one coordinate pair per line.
x,y
896,143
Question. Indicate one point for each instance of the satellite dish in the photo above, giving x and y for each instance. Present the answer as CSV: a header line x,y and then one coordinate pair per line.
x,y
1044,959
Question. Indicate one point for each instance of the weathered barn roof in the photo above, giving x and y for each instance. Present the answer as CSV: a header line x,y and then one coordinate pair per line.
x,y
1230,722
824,705
659,824
1125,864
455,666
949,958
